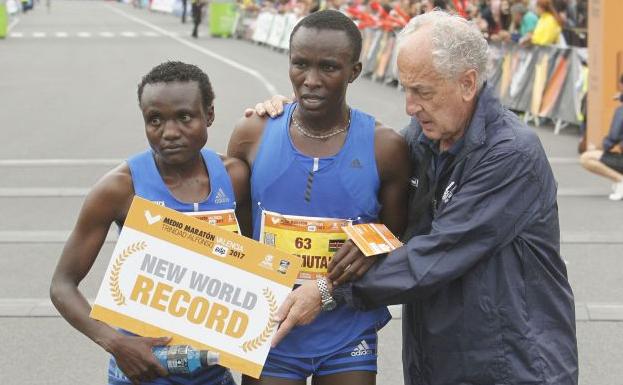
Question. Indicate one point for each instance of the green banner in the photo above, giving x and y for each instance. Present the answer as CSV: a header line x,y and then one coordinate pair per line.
x,y
4,20
222,18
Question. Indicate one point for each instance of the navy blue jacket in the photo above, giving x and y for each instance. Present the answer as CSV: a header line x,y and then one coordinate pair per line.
x,y
486,295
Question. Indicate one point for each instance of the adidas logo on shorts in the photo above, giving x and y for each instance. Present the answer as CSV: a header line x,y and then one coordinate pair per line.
x,y
221,197
363,349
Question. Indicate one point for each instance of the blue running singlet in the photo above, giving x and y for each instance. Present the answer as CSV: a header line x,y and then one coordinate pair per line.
x,y
344,186
148,184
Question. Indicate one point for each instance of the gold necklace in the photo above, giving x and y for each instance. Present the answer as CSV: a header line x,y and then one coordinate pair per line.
x,y
308,134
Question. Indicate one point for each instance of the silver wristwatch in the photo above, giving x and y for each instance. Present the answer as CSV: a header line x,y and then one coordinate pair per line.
x,y
328,303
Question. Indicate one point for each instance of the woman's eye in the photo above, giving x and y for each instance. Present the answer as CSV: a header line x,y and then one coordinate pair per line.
x,y
155,121
186,118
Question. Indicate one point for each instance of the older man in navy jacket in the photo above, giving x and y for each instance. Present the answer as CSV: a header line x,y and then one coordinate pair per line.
x,y
486,295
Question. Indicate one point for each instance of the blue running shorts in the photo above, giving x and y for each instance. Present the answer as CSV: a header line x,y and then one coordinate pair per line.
x,y
357,355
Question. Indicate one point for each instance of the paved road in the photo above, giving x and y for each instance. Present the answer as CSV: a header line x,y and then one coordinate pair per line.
x,y
69,113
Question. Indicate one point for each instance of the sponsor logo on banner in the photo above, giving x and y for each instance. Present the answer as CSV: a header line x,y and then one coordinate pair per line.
x,y
283,266
267,262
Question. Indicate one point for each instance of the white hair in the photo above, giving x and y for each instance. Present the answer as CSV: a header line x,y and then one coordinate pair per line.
x,y
458,45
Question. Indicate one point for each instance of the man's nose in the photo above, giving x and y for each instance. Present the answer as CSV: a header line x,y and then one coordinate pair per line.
x,y
412,106
171,129
312,78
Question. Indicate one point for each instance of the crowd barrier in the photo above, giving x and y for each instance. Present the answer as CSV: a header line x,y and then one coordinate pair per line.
x,y
544,82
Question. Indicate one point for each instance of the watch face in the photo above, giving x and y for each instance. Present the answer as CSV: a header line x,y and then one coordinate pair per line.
x,y
329,305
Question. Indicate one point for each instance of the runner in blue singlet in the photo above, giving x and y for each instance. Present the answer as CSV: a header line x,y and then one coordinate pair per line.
x,y
322,159
177,172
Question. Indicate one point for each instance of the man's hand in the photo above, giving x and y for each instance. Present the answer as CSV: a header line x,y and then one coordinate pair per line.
x,y
136,359
272,107
348,264
301,307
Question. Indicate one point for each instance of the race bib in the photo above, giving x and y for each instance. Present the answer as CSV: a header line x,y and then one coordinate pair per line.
x,y
313,239
225,219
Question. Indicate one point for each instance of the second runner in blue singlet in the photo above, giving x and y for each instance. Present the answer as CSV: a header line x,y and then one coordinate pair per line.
x,y
343,186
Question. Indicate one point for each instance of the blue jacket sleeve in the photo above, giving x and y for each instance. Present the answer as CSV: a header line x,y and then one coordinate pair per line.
x,y
496,201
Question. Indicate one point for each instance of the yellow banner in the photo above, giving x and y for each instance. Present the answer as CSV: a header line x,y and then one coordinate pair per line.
x,y
176,275
313,239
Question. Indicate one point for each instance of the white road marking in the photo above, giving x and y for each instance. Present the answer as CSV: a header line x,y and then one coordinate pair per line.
x,y
76,191
106,34
84,34
61,34
38,35
16,34
39,192
58,162
564,160
272,90
44,236
13,24
128,34
43,307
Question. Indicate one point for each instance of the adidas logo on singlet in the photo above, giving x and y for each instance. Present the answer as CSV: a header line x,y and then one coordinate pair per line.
x,y
221,197
356,163
363,349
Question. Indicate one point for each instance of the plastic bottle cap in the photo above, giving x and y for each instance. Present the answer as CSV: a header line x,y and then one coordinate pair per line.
x,y
209,358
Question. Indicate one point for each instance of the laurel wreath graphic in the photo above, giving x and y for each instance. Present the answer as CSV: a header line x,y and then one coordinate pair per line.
x,y
115,290
260,340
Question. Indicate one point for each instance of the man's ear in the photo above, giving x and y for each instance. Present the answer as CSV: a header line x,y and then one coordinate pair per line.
x,y
356,71
210,115
469,85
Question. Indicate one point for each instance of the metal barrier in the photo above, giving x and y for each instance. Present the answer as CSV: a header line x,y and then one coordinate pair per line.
x,y
544,82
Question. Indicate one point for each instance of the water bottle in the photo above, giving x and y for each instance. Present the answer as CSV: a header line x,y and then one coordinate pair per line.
x,y
183,359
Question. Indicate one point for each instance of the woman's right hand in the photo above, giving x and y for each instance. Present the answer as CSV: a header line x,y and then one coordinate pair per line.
x,y
136,359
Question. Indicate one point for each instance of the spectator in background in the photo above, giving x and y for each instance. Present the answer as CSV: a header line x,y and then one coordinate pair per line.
x,y
503,21
184,6
548,28
608,162
440,4
197,13
524,22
